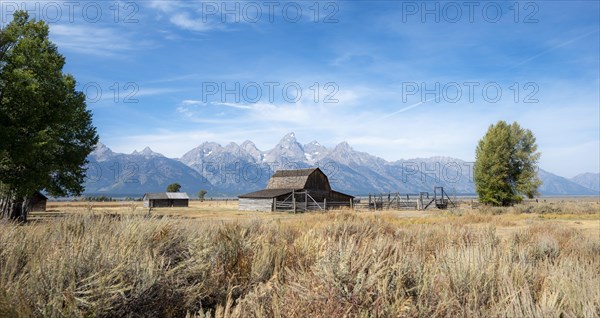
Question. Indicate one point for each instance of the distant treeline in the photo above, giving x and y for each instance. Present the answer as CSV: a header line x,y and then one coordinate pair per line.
x,y
104,198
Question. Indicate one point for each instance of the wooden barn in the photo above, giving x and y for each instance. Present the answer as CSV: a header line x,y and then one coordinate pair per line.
x,y
295,190
38,202
166,200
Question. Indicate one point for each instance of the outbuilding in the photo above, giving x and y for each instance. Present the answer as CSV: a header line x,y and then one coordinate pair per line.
x,y
166,200
38,202
295,190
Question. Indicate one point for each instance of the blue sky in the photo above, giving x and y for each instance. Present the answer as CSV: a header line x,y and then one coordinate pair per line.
x,y
397,79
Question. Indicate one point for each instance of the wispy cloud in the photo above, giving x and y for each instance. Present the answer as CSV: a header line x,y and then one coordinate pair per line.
x,y
234,105
94,40
187,15
155,91
555,47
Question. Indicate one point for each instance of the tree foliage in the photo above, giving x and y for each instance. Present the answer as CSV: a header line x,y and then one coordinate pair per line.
x,y
46,131
201,194
506,164
173,187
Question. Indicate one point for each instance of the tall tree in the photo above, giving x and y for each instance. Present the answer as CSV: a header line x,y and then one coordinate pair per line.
x,y
46,131
201,194
505,164
174,187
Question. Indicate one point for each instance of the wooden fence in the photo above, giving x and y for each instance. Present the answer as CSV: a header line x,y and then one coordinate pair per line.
x,y
302,201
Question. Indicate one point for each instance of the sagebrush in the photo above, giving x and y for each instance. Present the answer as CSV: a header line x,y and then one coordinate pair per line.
x,y
339,264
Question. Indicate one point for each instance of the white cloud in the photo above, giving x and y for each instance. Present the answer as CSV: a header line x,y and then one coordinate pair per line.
x,y
155,91
93,40
186,15
234,105
184,21
192,102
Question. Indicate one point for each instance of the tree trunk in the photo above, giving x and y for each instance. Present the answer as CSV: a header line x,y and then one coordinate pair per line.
x,y
14,208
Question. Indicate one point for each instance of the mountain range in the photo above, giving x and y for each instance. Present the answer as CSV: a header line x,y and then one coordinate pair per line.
x,y
235,169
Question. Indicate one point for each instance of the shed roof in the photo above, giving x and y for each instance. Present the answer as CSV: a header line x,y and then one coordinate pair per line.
x,y
39,196
167,196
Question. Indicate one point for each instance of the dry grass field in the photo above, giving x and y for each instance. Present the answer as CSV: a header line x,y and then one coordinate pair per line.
x,y
211,260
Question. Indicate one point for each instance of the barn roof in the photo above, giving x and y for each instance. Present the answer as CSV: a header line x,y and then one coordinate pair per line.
x,y
167,196
345,194
39,196
283,182
294,173
267,193
290,179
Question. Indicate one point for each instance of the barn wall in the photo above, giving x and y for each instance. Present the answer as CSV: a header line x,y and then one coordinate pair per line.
x,y
39,206
181,203
265,205
167,203
317,181
159,203
335,196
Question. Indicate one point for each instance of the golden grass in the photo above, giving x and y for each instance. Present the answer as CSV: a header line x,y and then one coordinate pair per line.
x,y
211,260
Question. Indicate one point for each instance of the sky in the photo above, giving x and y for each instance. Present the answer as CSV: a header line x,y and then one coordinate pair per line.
x,y
396,79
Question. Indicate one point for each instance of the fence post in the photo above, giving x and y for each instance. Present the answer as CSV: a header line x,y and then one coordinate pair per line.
x,y
294,200
352,203
305,200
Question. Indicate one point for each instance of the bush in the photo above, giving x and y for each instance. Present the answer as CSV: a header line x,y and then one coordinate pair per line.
x,y
340,265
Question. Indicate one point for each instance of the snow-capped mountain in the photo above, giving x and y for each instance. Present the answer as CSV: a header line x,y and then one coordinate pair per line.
x,y
234,169
134,174
314,151
287,150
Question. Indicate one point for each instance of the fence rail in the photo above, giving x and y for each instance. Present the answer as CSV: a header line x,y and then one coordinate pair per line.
x,y
302,201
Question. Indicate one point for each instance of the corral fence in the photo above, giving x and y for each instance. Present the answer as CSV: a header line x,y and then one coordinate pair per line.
x,y
415,201
302,201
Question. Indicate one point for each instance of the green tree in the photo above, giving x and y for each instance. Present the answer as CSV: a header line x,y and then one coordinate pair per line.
x,y
201,194
505,164
173,187
46,131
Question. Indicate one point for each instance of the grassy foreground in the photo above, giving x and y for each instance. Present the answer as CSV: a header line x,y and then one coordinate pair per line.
x,y
317,265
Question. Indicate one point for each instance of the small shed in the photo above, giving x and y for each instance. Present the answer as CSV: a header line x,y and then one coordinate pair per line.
x,y
301,189
166,200
38,202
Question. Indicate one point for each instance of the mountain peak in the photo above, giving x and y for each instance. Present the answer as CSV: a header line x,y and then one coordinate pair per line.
x,y
232,146
249,146
343,146
589,180
290,137
146,152
289,142
102,151
314,142
247,143
101,147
